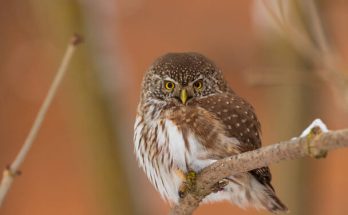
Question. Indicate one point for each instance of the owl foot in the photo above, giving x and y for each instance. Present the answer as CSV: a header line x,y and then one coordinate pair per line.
x,y
189,184
312,150
219,186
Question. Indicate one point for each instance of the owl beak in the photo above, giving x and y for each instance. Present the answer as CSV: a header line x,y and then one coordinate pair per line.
x,y
183,96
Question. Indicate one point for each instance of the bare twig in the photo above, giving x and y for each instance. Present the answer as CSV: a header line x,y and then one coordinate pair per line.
x,y
315,144
333,68
298,38
319,52
13,170
316,26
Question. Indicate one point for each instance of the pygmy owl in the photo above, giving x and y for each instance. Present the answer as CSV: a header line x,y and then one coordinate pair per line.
x,y
188,117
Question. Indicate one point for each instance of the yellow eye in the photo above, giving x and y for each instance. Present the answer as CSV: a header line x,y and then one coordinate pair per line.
x,y
198,85
169,85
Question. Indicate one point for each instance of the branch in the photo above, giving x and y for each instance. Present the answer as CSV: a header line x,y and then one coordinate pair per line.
x,y
13,169
314,144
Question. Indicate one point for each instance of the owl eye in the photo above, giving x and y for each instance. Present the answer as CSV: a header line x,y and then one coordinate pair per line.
x,y
198,85
169,85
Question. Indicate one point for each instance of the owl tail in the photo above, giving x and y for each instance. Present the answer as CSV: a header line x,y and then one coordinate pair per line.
x,y
271,202
245,191
263,196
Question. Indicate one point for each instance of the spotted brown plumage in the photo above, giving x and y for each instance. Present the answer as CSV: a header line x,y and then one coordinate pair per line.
x,y
193,121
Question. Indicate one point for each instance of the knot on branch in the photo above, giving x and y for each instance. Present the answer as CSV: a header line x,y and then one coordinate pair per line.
x,y
76,39
312,149
11,173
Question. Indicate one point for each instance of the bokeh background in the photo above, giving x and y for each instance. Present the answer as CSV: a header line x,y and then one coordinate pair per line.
x,y
276,54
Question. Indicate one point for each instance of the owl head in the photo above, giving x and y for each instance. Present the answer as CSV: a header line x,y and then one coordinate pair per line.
x,y
179,78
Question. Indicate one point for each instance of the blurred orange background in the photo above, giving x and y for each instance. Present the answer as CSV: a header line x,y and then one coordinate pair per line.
x,y
82,161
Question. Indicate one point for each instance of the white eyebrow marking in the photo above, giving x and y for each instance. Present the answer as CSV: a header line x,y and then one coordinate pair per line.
x,y
199,77
167,78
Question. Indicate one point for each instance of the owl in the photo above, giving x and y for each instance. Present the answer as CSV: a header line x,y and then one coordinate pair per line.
x,y
188,118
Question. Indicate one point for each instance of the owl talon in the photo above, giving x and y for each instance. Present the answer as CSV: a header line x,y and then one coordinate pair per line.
x,y
182,191
219,186
189,184
191,178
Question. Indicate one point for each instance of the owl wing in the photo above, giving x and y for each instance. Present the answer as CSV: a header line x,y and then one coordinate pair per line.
x,y
240,122
238,118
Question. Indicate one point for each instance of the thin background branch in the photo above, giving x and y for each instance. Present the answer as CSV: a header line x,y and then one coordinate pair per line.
x,y
13,169
312,43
